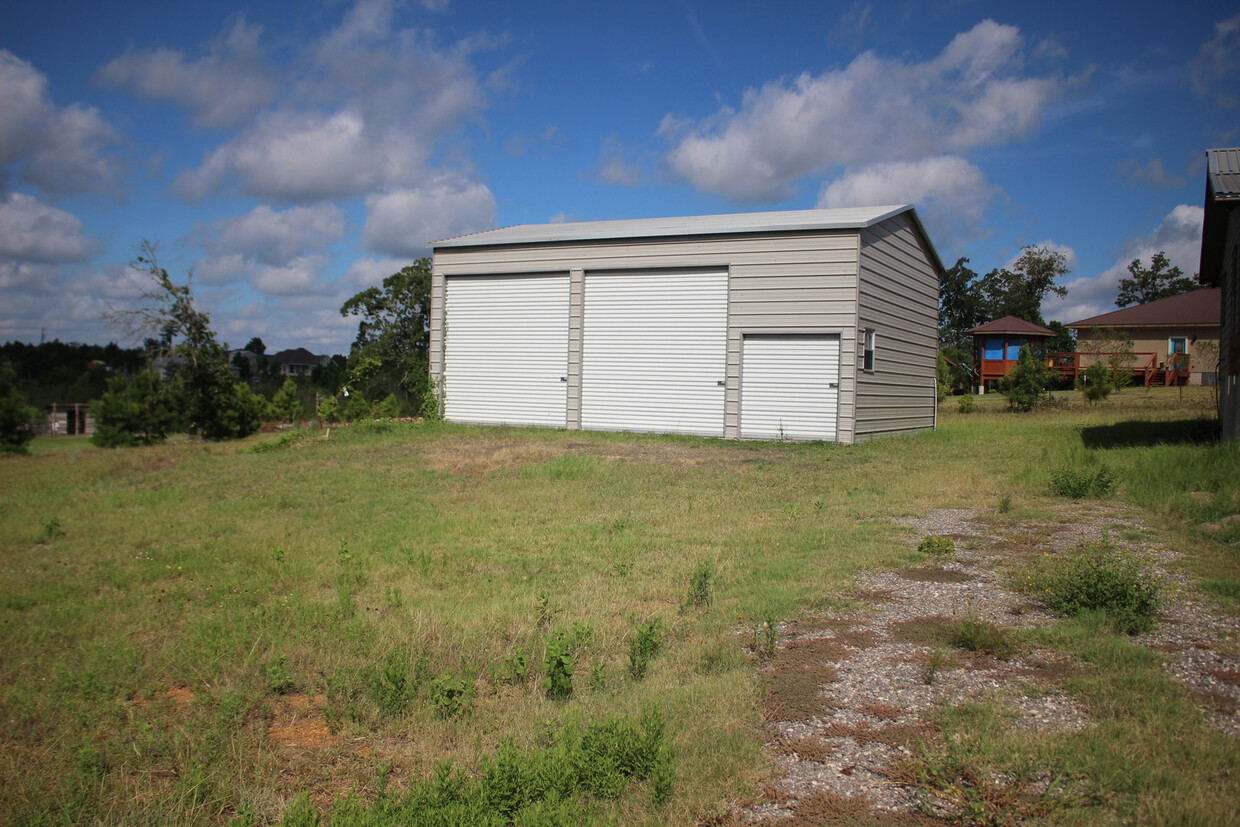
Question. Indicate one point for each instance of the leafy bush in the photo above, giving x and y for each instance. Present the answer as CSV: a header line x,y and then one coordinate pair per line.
x,y
644,645
391,687
1097,577
1081,484
937,546
1025,386
966,404
1097,383
450,695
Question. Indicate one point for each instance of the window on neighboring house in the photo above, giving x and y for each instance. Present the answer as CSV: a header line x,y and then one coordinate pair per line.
x,y
1177,345
867,358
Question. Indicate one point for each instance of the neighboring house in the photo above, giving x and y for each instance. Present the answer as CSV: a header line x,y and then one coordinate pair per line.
x,y
297,362
1174,340
813,324
997,344
1220,264
69,419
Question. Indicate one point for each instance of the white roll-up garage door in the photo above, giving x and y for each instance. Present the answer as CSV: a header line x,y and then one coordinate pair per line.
x,y
506,350
654,352
789,387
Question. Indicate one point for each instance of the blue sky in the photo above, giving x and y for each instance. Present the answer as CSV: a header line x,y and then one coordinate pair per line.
x,y
291,154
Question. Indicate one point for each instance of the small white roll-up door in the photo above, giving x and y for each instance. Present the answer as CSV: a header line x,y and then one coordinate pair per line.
x,y
654,352
789,387
506,350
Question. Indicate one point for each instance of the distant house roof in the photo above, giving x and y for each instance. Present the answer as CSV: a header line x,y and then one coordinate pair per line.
x,y
297,356
1222,196
1011,324
841,218
1197,308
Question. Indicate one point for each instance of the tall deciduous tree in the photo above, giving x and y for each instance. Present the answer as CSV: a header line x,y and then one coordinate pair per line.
x,y
210,401
960,306
390,353
1020,291
1158,281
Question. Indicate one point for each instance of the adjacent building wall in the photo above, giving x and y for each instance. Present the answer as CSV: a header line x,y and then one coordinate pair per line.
x,y
898,297
1229,370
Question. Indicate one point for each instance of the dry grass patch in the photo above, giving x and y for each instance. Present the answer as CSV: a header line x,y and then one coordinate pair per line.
x,y
1216,701
807,748
1227,676
882,711
795,681
828,809
895,735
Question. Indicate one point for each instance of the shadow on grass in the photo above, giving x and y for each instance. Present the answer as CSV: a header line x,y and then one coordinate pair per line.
x,y
1138,432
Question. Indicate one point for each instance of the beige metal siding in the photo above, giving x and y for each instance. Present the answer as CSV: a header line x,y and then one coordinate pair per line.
x,y
898,298
787,282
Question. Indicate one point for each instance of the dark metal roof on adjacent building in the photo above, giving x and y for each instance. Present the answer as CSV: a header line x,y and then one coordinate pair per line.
x,y
1197,308
1224,172
1011,324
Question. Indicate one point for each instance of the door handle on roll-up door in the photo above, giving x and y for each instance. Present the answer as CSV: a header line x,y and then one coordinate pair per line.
x,y
563,378
832,385
720,383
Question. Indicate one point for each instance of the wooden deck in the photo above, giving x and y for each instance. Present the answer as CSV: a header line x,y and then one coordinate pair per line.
x,y
1151,370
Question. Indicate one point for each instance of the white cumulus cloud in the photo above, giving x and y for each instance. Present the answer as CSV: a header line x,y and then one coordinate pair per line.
x,y
366,111
60,150
951,194
31,231
274,236
222,88
974,93
401,222
1178,235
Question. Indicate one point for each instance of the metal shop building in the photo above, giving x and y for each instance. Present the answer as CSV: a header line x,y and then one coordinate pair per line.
x,y
813,324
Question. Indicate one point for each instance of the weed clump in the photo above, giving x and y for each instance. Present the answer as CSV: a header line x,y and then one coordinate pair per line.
x,y
699,586
1077,484
976,635
1097,577
644,645
558,666
940,547
966,404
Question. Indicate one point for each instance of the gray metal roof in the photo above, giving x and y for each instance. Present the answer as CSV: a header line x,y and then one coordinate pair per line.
x,y
1224,172
849,218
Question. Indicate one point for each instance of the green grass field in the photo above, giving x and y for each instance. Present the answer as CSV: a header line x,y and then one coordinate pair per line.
x,y
196,633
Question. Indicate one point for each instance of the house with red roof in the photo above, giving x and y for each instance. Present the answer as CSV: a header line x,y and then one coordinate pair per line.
x,y
1175,341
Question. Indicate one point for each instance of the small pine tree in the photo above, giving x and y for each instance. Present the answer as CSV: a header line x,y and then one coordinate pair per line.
x,y
15,415
286,402
135,410
1025,386
1096,384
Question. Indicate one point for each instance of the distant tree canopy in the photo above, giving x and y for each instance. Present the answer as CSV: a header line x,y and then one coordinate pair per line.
x,y
15,415
1158,281
967,300
390,353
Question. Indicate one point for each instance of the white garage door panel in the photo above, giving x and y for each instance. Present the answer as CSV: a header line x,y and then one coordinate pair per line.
x,y
786,387
506,349
654,351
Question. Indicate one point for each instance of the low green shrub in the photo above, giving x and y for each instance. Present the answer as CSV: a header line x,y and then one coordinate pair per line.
x,y
966,404
1097,577
450,695
1078,484
938,546
546,785
392,686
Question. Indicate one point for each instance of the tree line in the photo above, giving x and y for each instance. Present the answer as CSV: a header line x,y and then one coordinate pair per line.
x,y
182,379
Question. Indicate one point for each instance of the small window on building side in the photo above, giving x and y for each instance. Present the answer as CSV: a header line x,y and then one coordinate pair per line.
x,y
867,359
